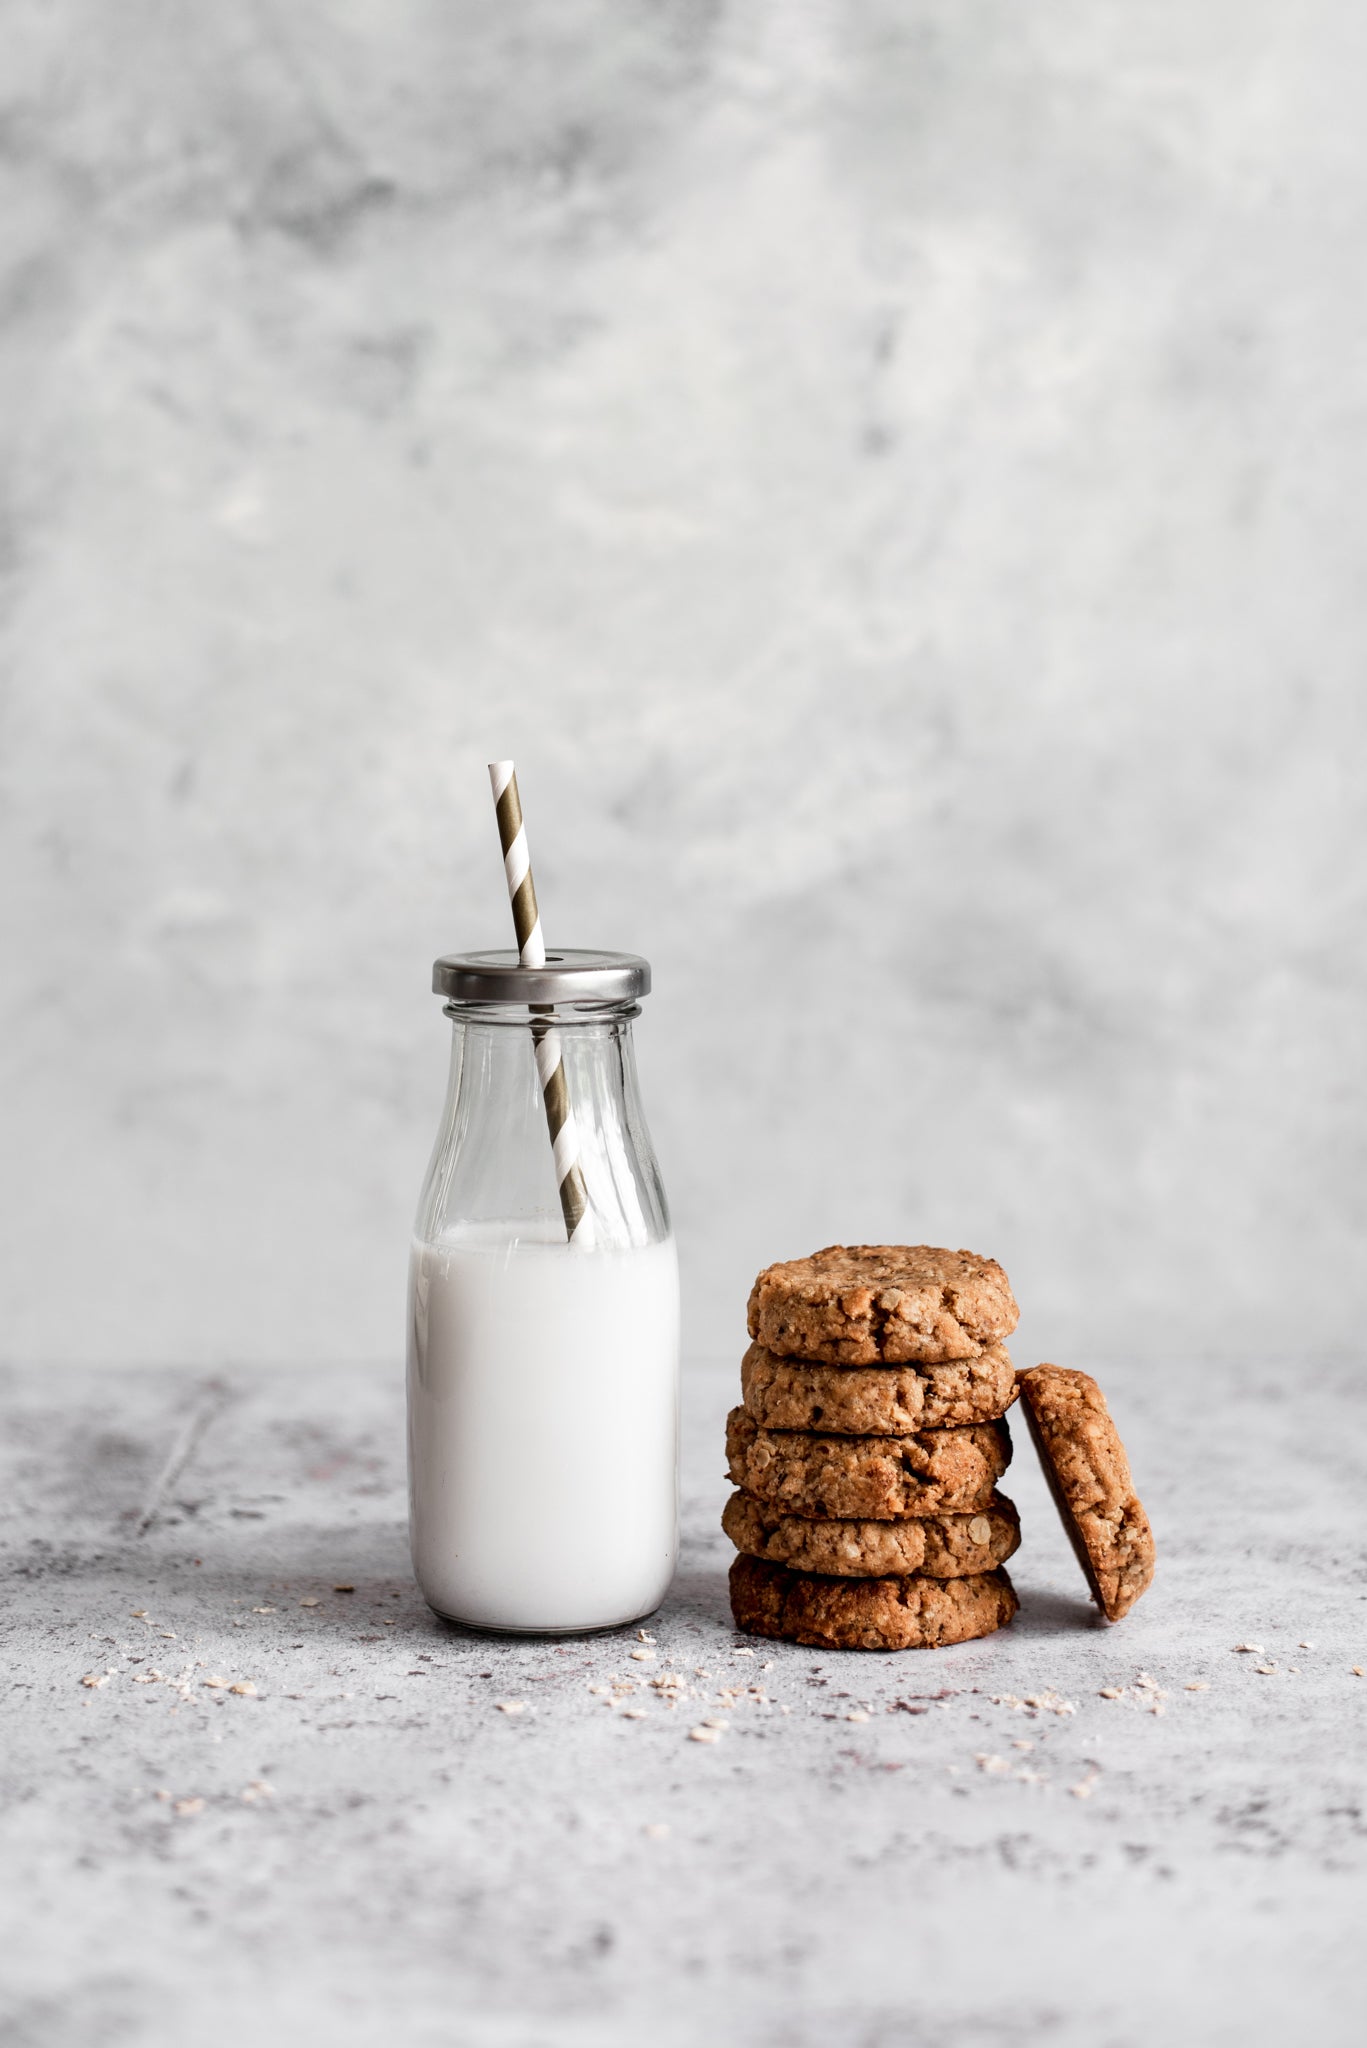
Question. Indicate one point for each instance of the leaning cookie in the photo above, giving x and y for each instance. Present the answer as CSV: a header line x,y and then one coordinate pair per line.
x,y
1089,1476
938,1471
902,1613
876,1400
899,1304
938,1546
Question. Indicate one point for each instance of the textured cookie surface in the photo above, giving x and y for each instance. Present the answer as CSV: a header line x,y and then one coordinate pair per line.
x,y
877,1478
904,1613
1089,1476
938,1546
876,1400
865,1303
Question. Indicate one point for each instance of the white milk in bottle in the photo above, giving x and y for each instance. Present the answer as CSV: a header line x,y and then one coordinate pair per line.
x,y
544,1398
542,1369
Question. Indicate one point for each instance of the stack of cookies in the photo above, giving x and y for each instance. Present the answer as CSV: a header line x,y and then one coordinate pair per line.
x,y
868,1447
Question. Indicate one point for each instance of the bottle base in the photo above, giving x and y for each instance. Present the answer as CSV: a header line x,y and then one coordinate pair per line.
x,y
588,1628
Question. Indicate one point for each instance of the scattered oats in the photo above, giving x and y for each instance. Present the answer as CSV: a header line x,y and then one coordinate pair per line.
x,y
263,1610
216,1683
643,1635
742,1653
1112,1692
1266,1670
147,1678
258,1789
991,1764
1293,1670
1030,1777
1251,1649
185,1808
768,1665
1083,1789
161,1793
511,1706
344,1589
857,1715
95,1678
704,1734
1198,1685
1022,1742
1035,1703
715,1721
600,1689
311,1601
245,1687
168,1635
643,1656
140,1614
1305,1646
785,1710
698,1672
1357,1671
634,1713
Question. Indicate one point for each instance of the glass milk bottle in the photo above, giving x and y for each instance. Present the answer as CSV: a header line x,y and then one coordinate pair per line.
x,y
542,1368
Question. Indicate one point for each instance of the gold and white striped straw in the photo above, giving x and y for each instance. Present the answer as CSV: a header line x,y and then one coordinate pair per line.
x,y
531,952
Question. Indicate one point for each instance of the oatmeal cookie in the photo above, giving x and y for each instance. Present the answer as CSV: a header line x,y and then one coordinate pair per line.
x,y
878,1478
876,1400
1089,1477
936,1546
899,1304
901,1613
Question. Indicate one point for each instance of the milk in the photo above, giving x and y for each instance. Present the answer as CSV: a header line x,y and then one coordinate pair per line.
x,y
543,1427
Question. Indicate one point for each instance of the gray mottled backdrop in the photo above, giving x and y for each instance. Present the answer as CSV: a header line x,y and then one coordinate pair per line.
x,y
891,473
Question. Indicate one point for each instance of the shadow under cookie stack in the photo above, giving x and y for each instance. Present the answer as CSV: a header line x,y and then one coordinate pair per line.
x,y
868,1447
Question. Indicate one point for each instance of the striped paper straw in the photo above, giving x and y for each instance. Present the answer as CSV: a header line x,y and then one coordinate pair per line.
x,y
531,952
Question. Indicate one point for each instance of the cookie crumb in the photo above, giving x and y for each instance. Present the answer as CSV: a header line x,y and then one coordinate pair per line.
x,y
857,1715
311,1601
991,1764
511,1706
185,1809
704,1734
344,1589
245,1688
1249,1649
643,1656
1197,1685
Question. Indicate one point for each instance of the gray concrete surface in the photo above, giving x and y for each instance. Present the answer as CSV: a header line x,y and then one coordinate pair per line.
x,y
891,472
876,1852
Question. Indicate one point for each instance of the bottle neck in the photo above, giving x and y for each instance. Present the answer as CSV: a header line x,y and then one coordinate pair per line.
x,y
494,1164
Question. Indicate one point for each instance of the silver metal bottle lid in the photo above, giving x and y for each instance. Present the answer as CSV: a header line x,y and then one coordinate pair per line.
x,y
570,975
